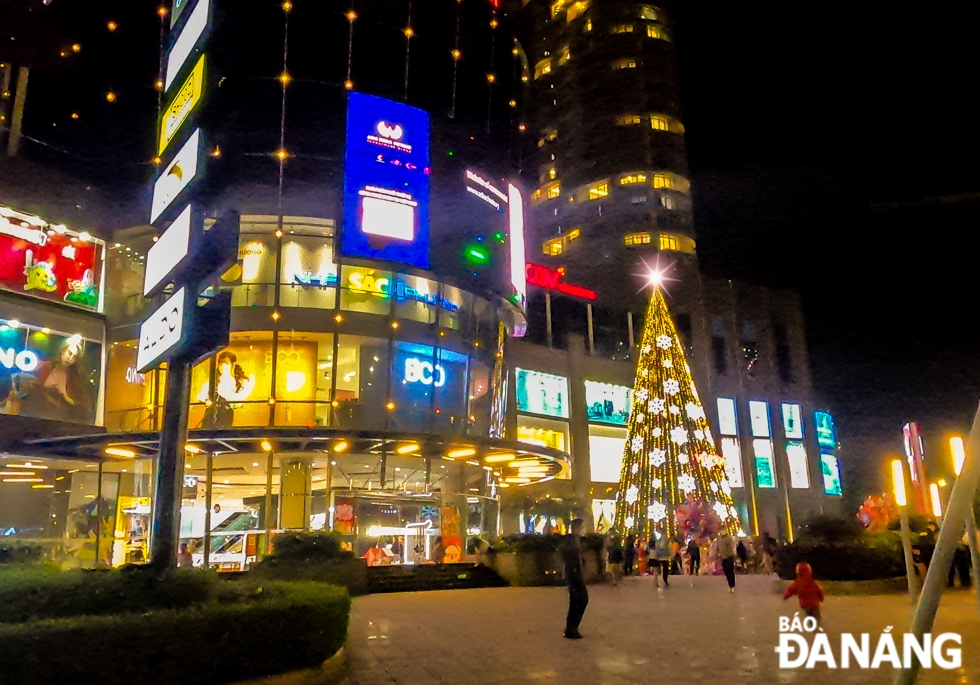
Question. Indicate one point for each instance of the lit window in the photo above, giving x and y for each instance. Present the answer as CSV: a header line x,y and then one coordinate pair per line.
x,y
799,471
624,64
649,13
553,247
657,32
564,55
588,24
733,461
634,239
659,123
623,28
676,243
541,68
557,8
536,195
668,242
553,190
628,120
552,135
597,190
576,11
573,234
662,181
552,173
629,179
667,202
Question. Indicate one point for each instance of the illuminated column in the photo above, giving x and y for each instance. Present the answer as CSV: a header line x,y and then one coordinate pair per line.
x,y
915,454
579,425
295,494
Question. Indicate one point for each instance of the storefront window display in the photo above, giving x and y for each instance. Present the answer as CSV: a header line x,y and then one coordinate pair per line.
x,y
303,368
428,388
51,263
308,274
542,393
48,374
543,432
606,449
136,399
608,403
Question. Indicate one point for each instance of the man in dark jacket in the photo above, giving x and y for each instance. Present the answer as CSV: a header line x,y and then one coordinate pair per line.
x,y
578,596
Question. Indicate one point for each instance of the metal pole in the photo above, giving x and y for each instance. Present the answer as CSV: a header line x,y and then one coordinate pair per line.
x,y
268,502
913,580
971,532
170,466
588,309
208,496
98,524
960,503
547,318
629,325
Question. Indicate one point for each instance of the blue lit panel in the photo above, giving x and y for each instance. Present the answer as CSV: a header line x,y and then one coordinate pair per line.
x,y
386,182
826,432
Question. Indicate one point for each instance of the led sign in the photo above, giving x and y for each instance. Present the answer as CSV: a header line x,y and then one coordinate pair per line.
x,y
518,275
826,433
364,282
424,372
607,403
792,421
482,188
542,393
178,174
182,105
386,181
830,469
162,331
543,277
24,360
184,45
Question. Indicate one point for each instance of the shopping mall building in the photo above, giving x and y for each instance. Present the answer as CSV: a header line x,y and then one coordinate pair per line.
x,y
385,399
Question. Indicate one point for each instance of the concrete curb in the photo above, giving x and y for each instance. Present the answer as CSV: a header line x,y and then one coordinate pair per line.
x,y
330,672
884,586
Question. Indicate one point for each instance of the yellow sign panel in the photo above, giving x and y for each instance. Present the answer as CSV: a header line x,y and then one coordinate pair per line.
x,y
181,106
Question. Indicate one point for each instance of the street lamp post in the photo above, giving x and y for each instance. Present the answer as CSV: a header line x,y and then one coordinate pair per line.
x,y
959,456
902,500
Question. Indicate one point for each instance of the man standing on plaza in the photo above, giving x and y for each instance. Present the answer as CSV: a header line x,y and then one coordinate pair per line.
x,y
726,552
578,596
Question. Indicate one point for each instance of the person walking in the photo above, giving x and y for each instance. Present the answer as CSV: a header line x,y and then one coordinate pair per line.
x,y
642,559
768,552
726,552
694,554
615,559
629,555
664,554
743,555
578,596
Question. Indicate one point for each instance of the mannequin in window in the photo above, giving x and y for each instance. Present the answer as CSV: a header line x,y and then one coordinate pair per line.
x,y
233,388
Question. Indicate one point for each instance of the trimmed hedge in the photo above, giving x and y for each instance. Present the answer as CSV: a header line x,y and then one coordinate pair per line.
x,y
17,552
309,546
870,556
282,627
39,594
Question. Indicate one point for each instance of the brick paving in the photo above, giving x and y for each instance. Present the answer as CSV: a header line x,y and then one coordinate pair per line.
x,y
636,633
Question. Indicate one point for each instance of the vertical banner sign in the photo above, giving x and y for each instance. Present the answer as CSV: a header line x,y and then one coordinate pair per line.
x,y
185,256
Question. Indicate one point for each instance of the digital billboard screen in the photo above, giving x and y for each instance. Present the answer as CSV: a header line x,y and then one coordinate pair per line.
x,y
386,182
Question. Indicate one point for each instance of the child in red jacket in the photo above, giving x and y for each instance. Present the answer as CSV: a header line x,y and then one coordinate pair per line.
x,y
807,589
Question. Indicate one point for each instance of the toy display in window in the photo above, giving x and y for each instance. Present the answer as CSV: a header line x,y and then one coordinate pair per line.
x,y
233,387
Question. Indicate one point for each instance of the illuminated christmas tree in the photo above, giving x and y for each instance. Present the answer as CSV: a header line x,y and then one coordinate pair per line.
x,y
670,455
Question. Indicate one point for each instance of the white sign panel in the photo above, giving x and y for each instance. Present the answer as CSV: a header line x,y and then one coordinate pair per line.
x,y
186,41
176,176
518,273
163,330
168,251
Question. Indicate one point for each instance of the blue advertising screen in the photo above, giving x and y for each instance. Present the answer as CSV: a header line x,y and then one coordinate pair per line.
x,y
386,182
826,433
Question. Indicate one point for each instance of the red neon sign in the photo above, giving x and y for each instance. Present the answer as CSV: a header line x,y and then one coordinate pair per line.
x,y
543,277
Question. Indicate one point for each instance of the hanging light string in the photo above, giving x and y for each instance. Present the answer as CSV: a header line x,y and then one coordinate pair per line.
x,y
491,76
284,79
455,55
409,32
351,16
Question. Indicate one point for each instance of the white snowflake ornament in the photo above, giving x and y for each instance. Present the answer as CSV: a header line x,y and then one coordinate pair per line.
x,y
640,418
657,458
674,409
699,434
683,458
656,405
663,342
671,386
656,512
726,488
647,349
635,468
694,411
714,487
629,521
656,483
632,492
642,395
686,483
637,443
668,364
720,509
657,432
678,435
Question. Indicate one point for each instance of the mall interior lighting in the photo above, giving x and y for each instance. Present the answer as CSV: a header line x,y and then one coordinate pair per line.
x,y
407,449
341,446
495,458
119,452
461,452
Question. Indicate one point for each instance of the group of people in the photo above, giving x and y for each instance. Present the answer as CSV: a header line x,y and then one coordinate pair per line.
x,y
665,556
665,553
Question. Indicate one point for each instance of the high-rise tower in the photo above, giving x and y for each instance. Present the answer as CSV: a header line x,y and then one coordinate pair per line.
x,y
606,134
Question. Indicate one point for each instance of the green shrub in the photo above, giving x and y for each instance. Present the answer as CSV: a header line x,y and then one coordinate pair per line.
x,y
17,552
282,627
870,556
309,546
40,594
832,528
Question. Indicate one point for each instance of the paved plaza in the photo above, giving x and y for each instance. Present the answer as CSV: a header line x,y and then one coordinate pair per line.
x,y
635,633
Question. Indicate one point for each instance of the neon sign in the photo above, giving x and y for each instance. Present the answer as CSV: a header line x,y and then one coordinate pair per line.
x,y
420,371
362,282
25,360
543,277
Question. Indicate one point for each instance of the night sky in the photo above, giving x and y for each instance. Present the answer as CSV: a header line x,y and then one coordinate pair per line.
x,y
833,150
